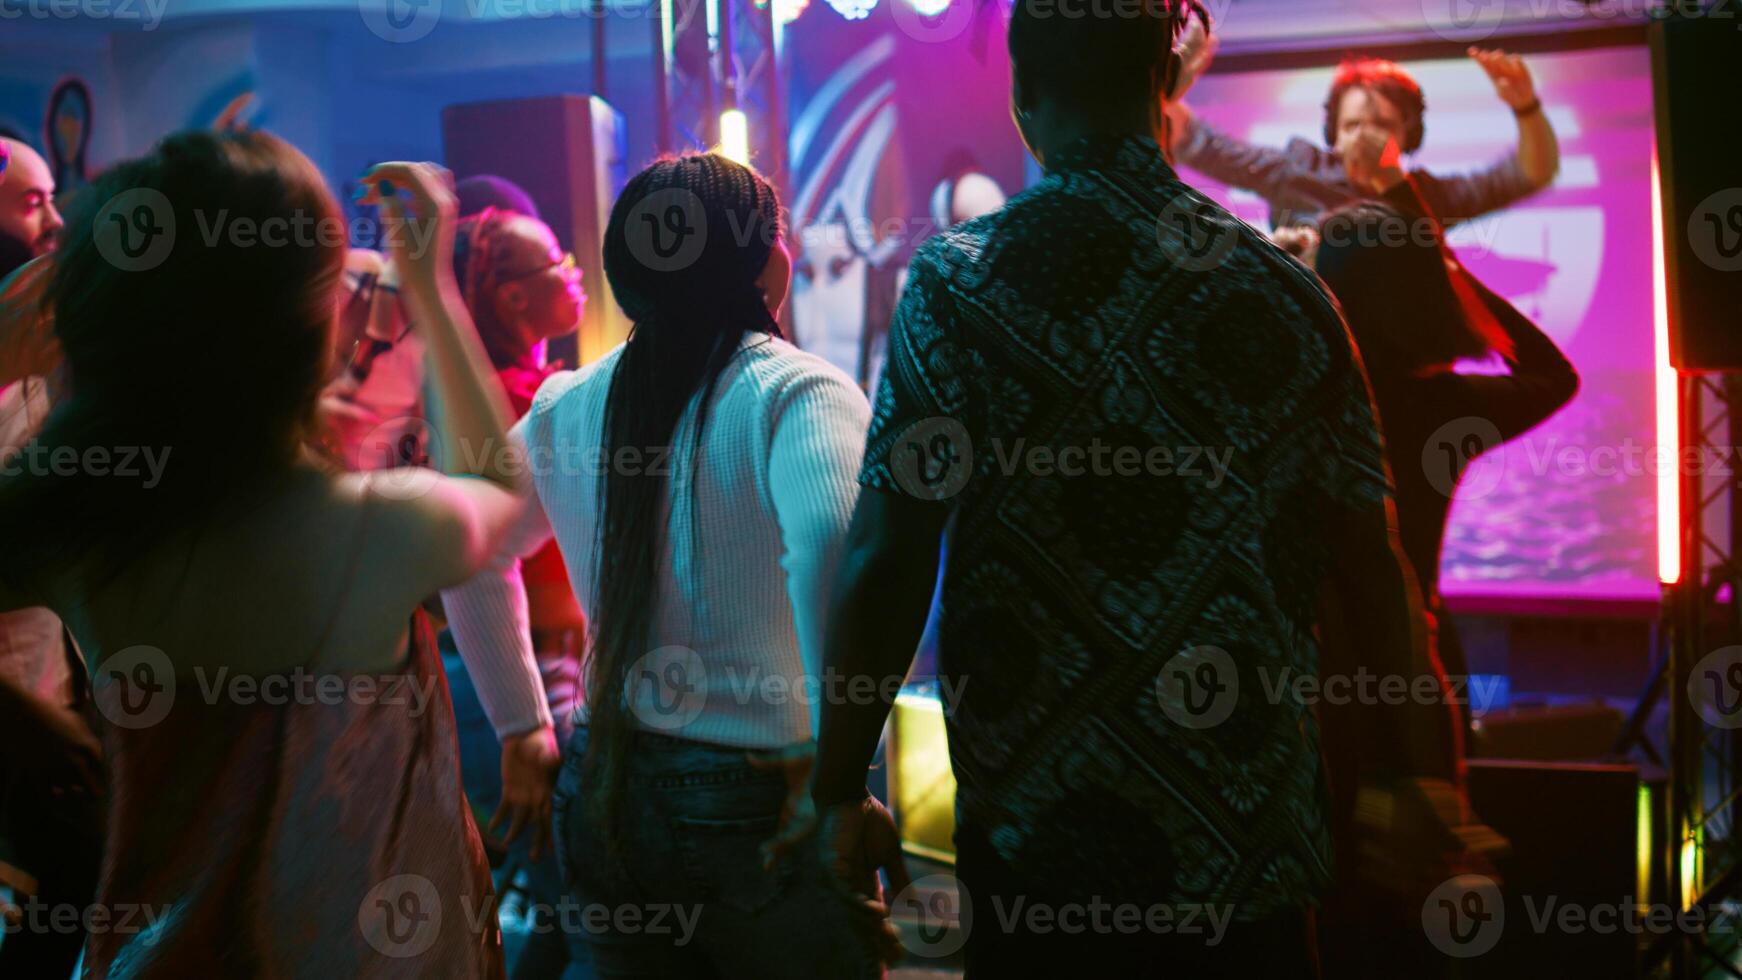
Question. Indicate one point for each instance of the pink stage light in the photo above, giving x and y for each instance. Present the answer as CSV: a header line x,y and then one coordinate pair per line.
x,y
1669,510
929,8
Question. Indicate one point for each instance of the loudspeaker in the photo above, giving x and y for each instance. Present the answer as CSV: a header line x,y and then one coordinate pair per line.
x,y
1577,873
567,151
1694,60
1559,733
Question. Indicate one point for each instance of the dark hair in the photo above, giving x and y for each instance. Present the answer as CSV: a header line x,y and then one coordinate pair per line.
x,y
1389,272
1386,78
201,349
490,191
477,264
1100,61
692,299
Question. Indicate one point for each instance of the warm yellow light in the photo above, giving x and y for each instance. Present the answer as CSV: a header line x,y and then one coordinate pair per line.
x,y
1645,815
922,785
1690,871
735,136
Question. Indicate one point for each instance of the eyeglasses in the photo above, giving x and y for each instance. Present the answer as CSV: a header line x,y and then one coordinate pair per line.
x,y
566,264
355,318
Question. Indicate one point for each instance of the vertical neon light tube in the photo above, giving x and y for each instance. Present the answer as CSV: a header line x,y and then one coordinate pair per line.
x,y
1669,510
666,33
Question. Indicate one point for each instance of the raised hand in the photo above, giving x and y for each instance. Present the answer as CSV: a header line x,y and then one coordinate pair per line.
x,y
419,213
1510,75
1196,49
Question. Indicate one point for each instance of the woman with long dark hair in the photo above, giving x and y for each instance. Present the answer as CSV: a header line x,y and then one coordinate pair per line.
x,y
284,795
699,480
1414,313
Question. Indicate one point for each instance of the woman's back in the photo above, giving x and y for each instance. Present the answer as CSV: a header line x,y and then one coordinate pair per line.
x,y
285,794
278,806
752,526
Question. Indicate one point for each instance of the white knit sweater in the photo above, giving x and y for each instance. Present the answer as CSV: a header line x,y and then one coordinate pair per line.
x,y
744,583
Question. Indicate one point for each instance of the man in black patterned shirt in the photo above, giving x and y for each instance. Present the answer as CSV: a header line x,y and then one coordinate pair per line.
x,y
1152,445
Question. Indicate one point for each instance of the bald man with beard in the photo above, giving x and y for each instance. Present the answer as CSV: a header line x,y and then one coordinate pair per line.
x,y
28,219
50,761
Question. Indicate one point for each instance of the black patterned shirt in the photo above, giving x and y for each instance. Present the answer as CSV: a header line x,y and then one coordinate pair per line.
x,y
1146,420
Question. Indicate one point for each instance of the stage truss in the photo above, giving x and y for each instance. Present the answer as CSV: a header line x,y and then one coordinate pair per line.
x,y
1703,618
712,56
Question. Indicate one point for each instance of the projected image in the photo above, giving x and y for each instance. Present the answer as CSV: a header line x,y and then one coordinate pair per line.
x,y
1568,510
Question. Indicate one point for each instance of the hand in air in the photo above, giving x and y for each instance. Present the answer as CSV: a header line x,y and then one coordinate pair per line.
x,y
1196,49
1510,75
418,215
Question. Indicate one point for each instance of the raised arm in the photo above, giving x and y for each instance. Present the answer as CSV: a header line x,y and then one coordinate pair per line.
x,y
1260,169
1542,381
1539,151
452,527
1527,170
456,525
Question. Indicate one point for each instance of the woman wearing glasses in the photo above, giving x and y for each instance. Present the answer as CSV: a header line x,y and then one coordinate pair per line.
x,y
523,290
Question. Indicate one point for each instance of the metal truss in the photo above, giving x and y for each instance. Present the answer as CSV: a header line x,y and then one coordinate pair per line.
x,y
1703,618
712,56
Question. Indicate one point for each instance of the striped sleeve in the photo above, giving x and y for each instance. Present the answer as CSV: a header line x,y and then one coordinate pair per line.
x,y
818,436
492,628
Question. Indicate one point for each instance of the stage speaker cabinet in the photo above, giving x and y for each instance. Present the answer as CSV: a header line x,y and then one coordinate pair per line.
x,y
568,152
1694,60
1572,887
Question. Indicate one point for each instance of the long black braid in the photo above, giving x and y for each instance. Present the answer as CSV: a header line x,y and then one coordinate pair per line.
x,y
687,241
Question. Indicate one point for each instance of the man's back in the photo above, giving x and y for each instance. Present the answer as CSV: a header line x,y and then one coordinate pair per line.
x,y
1159,437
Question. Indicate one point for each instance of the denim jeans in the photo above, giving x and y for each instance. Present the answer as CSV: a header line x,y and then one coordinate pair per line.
x,y
694,900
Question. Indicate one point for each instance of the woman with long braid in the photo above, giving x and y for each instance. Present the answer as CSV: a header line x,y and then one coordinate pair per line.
x,y
699,480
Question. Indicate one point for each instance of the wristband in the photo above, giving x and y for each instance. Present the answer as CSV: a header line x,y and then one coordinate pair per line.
x,y
1532,109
